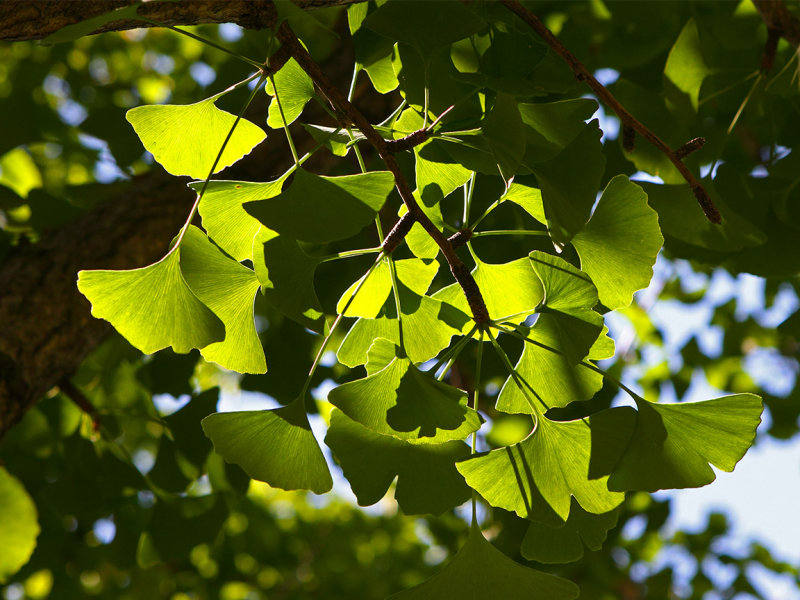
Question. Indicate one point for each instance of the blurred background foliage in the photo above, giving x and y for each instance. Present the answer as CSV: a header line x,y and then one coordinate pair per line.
x,y
139,507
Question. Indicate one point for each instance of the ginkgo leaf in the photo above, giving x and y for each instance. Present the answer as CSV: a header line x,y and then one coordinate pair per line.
x,y
554,379
152,307
569,183
405,403
413,272
673,444
504,134
686,69
321,209
444,23
511,290
227,288
480,570
226,222
569,297
19,525
442,174
427,479
554,125
529,198
537,477
286,274
295,89
275,446
185,139
381,353
428,327
548,544
619,245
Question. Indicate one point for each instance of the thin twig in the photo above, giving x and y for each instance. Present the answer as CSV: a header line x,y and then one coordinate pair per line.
x,y
461,273
82,402
625,117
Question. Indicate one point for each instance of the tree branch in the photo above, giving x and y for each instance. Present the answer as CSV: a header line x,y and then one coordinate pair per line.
x,y
461,273
778,17
626,118
36,19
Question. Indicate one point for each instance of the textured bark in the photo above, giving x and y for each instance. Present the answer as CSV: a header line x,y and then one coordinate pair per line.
x,y
47,327
36,19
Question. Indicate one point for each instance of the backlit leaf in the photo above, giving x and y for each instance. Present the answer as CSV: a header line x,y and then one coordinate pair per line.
x,y
19,525
227,288
619,245
427,479
318,209
152,307
407,404
185,139
275,446
226,222
295,89
480,570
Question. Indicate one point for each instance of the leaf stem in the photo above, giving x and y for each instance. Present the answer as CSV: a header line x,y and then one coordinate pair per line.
x,y
475,403
540,233
283,119
352,253
518,380
396,292
452,353
205,41
584,363
338,320
262,75
469,187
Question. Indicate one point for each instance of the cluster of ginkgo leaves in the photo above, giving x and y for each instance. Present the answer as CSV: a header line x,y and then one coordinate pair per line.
x,y
487,76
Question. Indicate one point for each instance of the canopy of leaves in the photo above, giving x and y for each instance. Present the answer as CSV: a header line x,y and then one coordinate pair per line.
x,y
269,323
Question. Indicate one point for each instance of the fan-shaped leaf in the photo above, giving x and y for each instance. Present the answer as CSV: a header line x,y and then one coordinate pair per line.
x,y
275,446
185,139
427,479
19,525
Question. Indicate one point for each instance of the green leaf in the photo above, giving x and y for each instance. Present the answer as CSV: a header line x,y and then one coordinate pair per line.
x,y
333,139
275,446
554,125
407,404
286,274
504,133
511,290
416,274
673,444
295,89
440,24
569,183
427,480
321,209
428,327
480,570
152,307
547,544
619,245
529,198
70,33
537,477
227,288
569,297
555,379
380,354
19,525
185,139
226,222
686,69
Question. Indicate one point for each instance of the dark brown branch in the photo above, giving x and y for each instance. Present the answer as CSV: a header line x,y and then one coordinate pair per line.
x,y
779,18
625,117
36,19
415,138
398,233
690,147
462,275
459,238
77,397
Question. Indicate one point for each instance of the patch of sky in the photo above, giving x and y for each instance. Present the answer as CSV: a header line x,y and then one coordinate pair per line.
x,y
105,168
166,404
104,530
202,73
230,32
606,76
160,63
609,123
642,176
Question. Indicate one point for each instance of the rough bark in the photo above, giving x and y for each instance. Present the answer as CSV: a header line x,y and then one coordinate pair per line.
x,y
36,19
777,16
